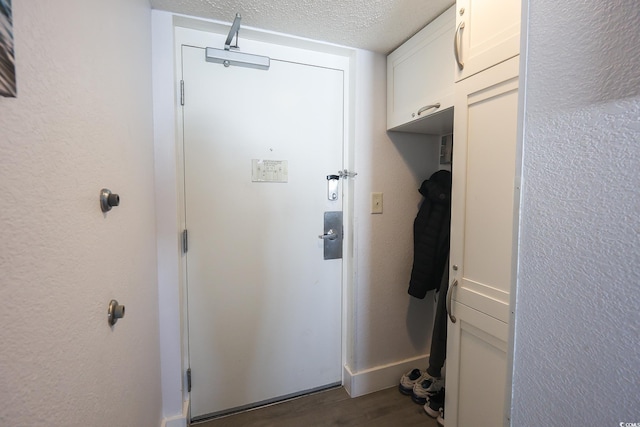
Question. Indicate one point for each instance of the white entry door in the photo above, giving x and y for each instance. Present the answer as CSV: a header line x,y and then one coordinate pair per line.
x,y
264,307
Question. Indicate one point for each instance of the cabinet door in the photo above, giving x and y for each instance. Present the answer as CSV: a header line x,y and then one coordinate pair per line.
x,y
483,219
483,211
419,74
476,369
487,33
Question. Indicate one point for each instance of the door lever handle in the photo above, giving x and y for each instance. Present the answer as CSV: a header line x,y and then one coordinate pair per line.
x,y
449,295
428,107
330,235
456,46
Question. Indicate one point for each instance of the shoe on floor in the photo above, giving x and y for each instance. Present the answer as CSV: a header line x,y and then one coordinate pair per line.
x,y
435,405
426,387
408,380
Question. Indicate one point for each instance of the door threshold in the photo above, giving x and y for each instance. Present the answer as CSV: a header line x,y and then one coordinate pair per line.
x,y
263,404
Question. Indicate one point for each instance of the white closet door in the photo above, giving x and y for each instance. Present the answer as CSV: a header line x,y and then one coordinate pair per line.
x,y
483,223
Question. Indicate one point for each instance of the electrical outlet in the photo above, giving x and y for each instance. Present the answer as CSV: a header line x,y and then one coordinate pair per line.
x,y
376,203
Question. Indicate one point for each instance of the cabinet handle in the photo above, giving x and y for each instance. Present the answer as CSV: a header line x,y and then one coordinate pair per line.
x,y
449,295
456,45
428,107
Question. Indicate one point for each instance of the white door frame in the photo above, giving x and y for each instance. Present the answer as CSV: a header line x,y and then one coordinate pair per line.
x,y
196,32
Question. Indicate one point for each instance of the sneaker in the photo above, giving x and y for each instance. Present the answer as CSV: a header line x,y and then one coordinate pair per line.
x,y
435,405
424,388
408,380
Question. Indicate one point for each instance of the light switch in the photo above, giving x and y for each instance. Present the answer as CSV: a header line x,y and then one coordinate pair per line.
x,y
376,203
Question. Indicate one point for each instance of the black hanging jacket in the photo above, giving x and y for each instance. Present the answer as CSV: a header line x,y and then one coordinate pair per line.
x,y
431,234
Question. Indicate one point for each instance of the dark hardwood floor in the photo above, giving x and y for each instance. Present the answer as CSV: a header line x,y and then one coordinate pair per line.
x,y
386,408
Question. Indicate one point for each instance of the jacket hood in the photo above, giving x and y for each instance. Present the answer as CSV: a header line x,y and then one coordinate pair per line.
x,y
438,187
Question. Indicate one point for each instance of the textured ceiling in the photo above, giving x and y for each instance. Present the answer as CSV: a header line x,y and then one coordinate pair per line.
x,y
377,25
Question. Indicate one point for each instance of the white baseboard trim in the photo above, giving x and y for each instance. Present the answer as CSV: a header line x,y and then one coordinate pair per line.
x,y
380,377
181,420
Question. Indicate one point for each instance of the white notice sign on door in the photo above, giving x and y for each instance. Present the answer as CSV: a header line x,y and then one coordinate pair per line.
x,y
269,170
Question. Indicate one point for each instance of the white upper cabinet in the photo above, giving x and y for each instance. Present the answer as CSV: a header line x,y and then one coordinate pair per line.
x,y
487,33
420,84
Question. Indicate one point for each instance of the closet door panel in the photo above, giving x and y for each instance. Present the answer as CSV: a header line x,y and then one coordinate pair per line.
x,y
484,167
484,215
476,369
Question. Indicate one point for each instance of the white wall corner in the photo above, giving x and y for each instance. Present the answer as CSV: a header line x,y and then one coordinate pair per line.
x,y
181,420
380,377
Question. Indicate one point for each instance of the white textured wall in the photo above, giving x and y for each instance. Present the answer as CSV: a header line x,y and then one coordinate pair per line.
x,y
390,326
82,121
577,319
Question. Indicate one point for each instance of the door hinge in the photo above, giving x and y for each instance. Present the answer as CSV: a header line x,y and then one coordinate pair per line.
x,y
185,241
189,380
181,92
